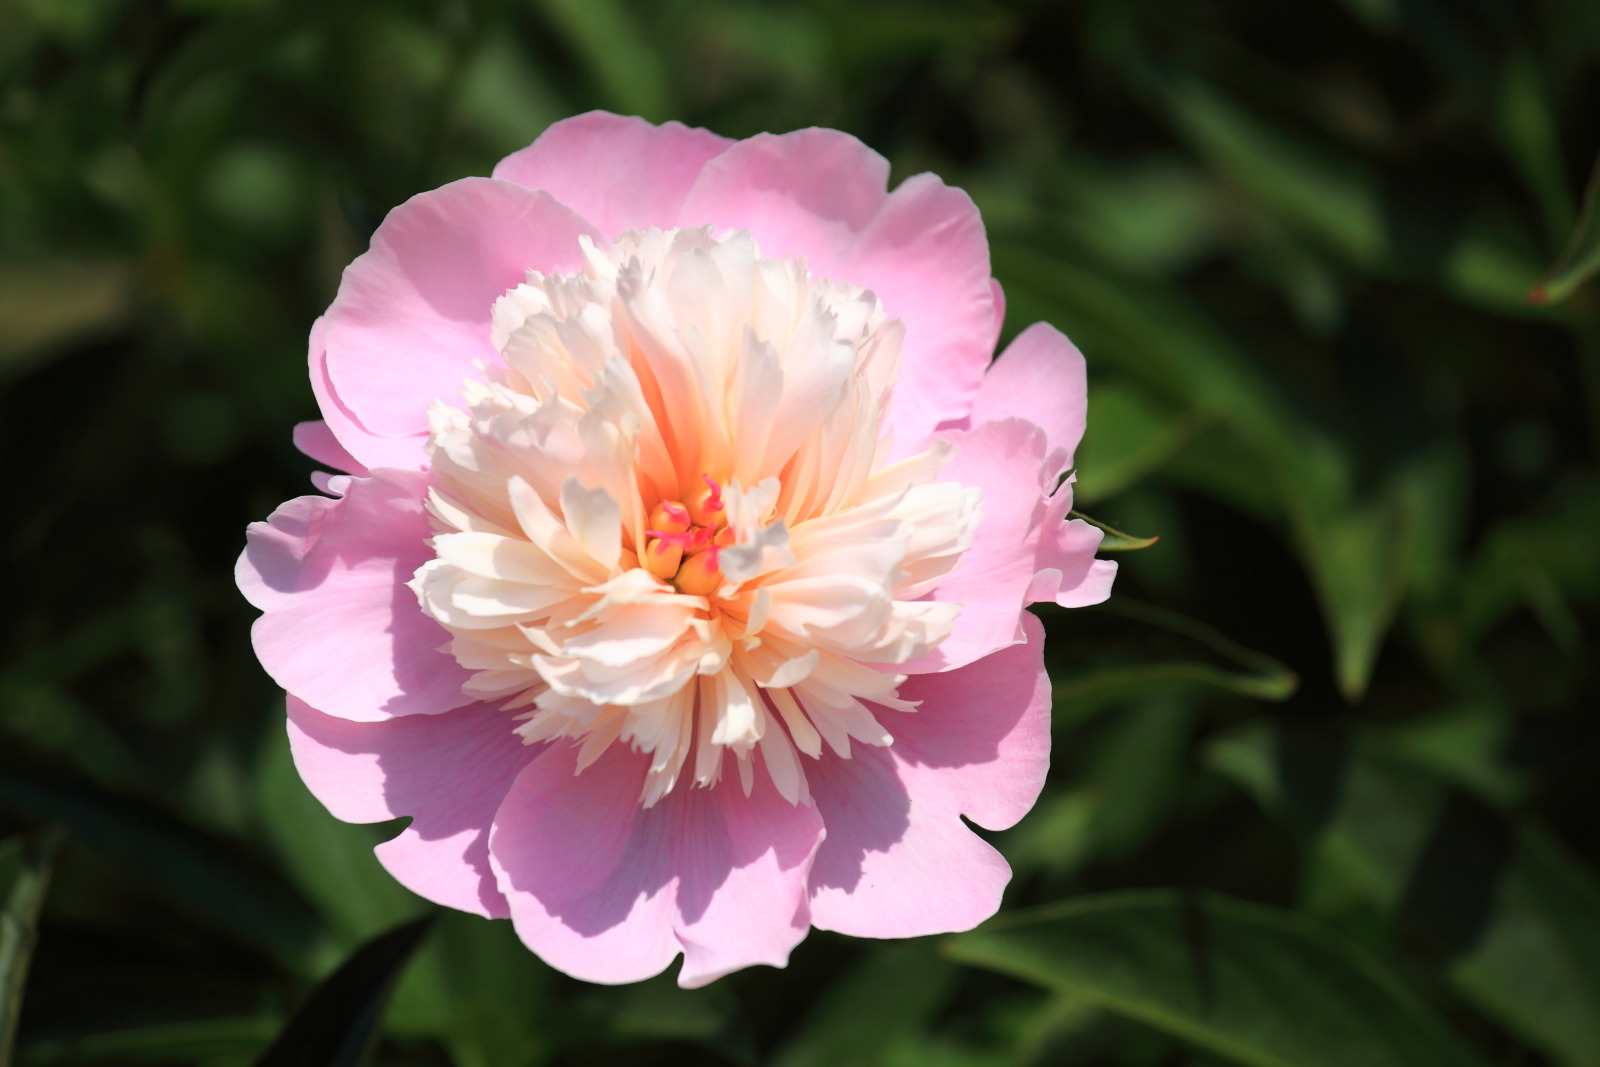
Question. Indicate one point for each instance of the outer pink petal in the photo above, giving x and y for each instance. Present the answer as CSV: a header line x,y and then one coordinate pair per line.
x,y
1039,377
318,442
999,295
413,312
619,173
893,864
822,194
341,630
448,772
1069,574
991,582
979,741
898,861
608,891
365,447
927,257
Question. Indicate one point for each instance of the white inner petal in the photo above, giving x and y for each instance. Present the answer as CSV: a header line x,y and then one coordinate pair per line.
x,y
667,520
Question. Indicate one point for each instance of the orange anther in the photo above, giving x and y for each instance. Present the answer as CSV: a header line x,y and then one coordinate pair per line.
x,y
661,559
699,575
669,516
705,503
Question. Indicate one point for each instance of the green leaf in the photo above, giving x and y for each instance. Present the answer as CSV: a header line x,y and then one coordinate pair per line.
x,y
886,1000
1258,985
1319,192
478,989
1115,540
205,875
339,1020
1525,124
187,1042
1263,677
1128,438
1581,257
1514,918
1357,550
605,35
1546,551
24,876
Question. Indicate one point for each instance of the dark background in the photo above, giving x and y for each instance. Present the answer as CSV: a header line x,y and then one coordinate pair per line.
x,y
1354,680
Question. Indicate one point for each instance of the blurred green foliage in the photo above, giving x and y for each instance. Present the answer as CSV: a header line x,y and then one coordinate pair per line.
x,y
1330,803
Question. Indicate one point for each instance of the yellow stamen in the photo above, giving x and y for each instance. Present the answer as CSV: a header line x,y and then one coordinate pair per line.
x,y
662,560
669,516
700,500
699,575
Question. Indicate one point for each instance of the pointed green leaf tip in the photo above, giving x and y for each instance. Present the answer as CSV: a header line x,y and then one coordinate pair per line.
x,y
1581,257
1257,985
25,864
340,1020
1115,540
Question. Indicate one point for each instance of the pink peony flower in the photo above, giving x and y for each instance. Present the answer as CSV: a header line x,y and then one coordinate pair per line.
x,y
675,583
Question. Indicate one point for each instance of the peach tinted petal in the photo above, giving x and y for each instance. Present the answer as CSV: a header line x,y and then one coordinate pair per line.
x,y
610,892
594,163
448,772
413,312
340,630
822,194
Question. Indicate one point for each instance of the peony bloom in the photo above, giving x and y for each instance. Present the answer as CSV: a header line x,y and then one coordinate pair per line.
x,y
674,584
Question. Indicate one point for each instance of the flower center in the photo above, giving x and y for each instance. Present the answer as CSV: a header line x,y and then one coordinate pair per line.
x,y
685,539
667,517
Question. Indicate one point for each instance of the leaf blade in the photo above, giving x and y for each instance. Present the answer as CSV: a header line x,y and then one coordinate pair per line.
x,y
1259,985
25,867
1581,257
1115,540
338,1022
1513,917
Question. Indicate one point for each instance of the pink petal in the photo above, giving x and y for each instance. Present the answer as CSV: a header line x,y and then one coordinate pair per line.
x,y
898,861
618,172
927,257
317,441
341,630
448,772
895,863
979,740
413,312
1069,574
822,194
999,311
365,447
608,891
808,193
991,582
1039,377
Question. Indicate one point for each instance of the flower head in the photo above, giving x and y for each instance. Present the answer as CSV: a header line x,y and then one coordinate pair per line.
x,y
675,582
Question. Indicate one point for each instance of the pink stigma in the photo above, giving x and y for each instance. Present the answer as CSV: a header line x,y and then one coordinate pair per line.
x,y
714,501
688,540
